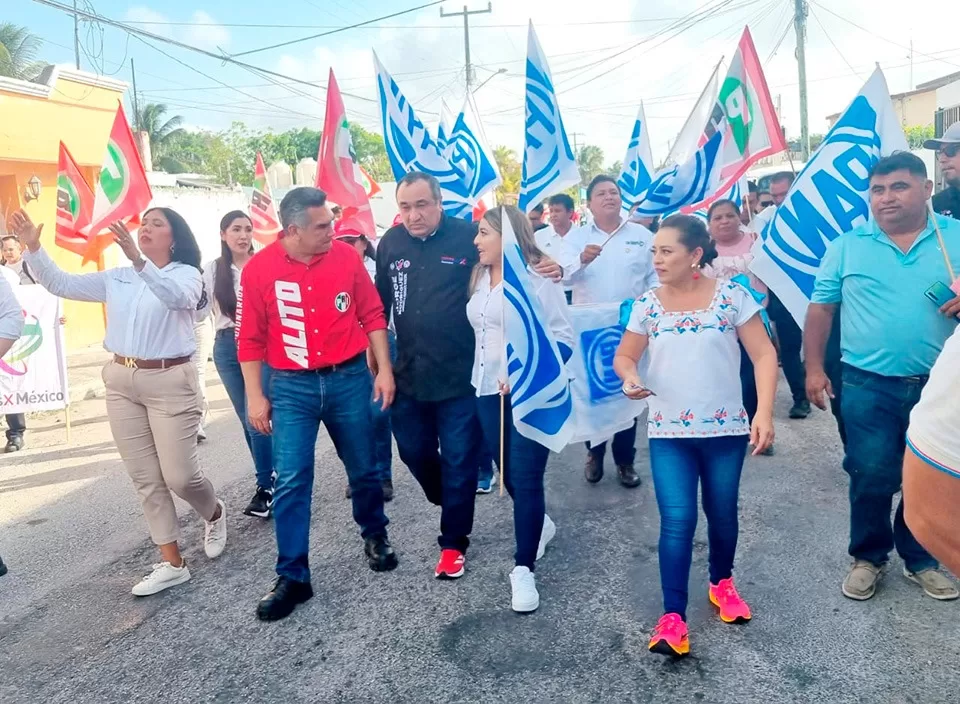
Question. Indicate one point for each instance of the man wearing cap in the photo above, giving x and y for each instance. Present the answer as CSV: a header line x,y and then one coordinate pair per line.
x,y
947,201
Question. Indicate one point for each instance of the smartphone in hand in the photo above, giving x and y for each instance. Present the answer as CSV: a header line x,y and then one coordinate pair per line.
x,y
939,293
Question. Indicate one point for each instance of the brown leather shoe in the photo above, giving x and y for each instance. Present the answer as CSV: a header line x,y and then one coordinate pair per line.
x,y
628,476
593,469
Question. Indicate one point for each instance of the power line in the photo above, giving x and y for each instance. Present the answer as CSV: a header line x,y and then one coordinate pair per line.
x,y
341,29
245,25
833,44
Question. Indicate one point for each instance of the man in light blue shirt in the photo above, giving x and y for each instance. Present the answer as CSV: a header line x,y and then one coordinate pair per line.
x,y
880,276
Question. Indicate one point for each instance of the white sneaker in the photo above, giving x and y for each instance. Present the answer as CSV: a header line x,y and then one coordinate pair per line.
x,y
215,534
548,533
164,576
526,598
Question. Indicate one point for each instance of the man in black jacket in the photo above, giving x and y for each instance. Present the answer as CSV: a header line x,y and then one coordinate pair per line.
x,y
424,266
947,201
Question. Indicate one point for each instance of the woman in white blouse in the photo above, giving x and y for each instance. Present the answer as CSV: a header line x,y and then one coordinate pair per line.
x,y
221,279
153,397
525,460
697,425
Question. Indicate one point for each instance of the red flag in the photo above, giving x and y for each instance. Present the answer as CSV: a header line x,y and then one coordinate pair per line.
x,y
338,173
369,185
122,189
74,205
263,211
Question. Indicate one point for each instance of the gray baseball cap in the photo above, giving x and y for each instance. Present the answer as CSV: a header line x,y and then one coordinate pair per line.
x,y
951,136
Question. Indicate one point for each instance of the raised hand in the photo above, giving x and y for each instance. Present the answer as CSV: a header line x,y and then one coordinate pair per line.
x,y
22,226
122,236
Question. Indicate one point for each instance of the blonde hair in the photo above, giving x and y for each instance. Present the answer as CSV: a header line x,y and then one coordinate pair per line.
x,y
521,228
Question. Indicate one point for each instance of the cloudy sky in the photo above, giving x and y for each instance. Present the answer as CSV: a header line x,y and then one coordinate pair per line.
x,y
606,57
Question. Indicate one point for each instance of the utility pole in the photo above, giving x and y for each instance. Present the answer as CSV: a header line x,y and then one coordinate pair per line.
x,y
76,35
465,12
800,23
136,104
911,64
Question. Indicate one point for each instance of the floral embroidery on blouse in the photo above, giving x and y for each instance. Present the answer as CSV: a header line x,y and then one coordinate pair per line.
x,y
685,419
656,420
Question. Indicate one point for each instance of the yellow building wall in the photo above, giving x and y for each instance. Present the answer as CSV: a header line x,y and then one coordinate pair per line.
x,y
32,127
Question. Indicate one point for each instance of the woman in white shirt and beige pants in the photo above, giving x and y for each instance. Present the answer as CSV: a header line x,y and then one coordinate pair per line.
x,y
11,325
153,396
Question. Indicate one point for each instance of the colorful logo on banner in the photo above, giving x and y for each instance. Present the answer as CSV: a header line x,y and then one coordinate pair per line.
x,y
599,347
15,363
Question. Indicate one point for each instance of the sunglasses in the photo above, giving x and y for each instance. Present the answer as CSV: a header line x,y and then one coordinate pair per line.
x,y
949,150
766,203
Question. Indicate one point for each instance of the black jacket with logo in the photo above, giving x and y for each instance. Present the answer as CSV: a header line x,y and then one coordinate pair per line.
x,y
947,202
425,284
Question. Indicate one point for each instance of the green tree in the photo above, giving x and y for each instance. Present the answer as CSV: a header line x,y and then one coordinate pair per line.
x,y
510,172
152,119
615,169
18,52
590,161
371,153
918,134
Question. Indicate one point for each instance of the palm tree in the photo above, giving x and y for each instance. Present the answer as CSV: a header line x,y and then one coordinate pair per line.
x,y
18,52
151,119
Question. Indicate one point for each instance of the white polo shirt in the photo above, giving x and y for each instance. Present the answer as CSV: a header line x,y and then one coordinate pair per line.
x,y
559,249
623,270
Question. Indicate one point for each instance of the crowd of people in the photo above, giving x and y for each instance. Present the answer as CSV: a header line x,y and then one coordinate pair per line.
x,y
406,338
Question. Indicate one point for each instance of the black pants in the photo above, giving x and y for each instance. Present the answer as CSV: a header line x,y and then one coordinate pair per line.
x,y
624,447
833,368
790,338
16,425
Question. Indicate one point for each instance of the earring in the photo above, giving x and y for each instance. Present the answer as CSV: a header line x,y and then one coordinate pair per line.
x,y
172,248
696,271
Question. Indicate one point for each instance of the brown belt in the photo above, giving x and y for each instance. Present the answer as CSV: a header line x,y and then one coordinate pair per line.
x,y
149,363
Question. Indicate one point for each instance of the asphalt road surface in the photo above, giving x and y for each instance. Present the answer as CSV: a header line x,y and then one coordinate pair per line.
x,y
73,536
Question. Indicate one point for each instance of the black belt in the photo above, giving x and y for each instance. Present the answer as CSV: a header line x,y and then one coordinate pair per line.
x,y
337,367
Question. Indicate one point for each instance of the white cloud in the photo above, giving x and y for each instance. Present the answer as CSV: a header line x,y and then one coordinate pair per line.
x,y
149,20
206,33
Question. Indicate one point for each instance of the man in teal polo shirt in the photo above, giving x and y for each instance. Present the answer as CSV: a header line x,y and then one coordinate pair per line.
x,y
891,334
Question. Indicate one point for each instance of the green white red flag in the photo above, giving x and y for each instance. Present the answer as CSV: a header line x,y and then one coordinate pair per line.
x,y
338,173
122,189
369,185
263,211
744,113
74,205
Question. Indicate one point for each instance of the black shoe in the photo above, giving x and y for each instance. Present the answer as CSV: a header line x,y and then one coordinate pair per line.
x,y
380,555
801,409
593,469
628,476
261,505
283,599
3,567
387,490
14,444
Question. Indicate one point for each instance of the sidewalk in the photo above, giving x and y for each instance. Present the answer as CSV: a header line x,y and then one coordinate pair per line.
x,y
83,372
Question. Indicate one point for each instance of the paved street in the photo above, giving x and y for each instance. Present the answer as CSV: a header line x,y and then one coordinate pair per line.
x,y
73,536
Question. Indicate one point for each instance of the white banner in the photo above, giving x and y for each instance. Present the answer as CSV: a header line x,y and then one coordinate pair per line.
x,y
33,374
600,408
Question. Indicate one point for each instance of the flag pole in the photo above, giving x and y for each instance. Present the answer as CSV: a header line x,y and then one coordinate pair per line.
x,y
943,245
503,348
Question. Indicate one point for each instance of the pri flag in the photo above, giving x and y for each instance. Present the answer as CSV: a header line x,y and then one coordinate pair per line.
x,y
338,173
469,152
549,165
263,211
637,172
744,115
734,195
684,185
74,205
831,196
411,148
122,189
539,384
370,187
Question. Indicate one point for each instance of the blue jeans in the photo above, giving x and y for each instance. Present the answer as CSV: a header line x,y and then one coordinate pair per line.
x,y
678,465
439,442
525,463
380,426
876,413
624,447
340,399
260,445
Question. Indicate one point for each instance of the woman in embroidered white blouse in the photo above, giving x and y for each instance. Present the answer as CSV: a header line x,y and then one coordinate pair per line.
x,y
697,425
525,461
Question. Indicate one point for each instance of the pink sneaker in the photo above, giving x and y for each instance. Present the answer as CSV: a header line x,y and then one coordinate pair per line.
x,y
670,636
724,596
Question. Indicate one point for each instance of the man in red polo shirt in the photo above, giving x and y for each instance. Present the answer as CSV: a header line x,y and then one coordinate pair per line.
x,y
307,308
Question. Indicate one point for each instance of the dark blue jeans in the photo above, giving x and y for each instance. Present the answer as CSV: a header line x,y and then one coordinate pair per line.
x,y
260,445
624,446
340,399
439,442
380,426
678,466
525,463
876,413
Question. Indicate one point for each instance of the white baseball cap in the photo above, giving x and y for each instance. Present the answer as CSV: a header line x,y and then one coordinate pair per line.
x,y
951,136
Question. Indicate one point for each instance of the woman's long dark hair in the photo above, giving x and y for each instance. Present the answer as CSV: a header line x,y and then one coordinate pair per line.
x,y
185,248
224,292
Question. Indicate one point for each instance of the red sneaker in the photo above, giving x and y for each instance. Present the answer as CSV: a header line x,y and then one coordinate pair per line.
x,y
733,609
670,637
450,565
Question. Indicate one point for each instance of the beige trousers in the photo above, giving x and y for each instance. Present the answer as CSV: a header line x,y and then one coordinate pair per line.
x,y
153,415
